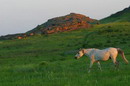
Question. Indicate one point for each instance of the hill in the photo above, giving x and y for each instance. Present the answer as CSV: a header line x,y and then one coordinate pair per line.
x,y
69,22
49,60
121,16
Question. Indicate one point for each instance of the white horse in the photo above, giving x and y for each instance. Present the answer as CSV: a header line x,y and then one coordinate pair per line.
x,y
97,55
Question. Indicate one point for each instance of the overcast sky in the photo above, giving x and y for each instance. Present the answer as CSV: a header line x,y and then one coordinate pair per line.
x,y
18,16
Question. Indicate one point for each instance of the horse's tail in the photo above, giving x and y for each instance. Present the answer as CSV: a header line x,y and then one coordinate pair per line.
x,y
122,55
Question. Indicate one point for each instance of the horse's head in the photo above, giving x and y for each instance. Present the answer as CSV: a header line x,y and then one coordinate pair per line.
x,y
79,54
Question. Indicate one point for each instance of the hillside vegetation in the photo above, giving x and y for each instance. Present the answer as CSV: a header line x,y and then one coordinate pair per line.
x,y
121,16
48,60
106,35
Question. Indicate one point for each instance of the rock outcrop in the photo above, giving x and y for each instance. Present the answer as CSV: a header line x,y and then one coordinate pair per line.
x,y
69,22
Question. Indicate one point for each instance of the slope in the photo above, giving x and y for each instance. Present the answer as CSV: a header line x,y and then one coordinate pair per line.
x,y
121,16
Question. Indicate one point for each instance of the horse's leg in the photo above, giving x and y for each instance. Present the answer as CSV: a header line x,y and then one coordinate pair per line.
x,y
115,62
99,66
92,60
91,64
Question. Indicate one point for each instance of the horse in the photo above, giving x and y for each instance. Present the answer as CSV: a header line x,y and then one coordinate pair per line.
x,y
97,55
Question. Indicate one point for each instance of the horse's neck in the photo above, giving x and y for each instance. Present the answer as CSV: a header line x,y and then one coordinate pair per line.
x,y
89,52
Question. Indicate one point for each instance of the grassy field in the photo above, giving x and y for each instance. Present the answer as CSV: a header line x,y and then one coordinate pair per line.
x,y
49,60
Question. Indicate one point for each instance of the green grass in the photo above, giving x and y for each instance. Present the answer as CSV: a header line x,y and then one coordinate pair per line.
x,y
109,35
48,60
121,16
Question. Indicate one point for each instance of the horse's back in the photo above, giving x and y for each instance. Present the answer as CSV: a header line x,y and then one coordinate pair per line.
x,y
113,51
105,54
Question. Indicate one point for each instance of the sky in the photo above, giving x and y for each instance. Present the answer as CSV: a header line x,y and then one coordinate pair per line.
x,y
19,16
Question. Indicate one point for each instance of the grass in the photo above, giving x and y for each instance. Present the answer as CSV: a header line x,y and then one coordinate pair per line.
x,y
109,35
121,16
48,60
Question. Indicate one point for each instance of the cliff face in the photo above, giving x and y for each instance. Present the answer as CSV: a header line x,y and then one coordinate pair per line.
x,y
69,22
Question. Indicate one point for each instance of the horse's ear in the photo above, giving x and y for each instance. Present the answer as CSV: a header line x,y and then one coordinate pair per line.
x,y
83,50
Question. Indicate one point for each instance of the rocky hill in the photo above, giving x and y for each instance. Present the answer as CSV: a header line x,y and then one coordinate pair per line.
x,y
69,22
121,16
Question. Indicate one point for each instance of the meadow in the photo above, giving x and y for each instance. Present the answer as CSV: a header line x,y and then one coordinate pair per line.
x,y
48,60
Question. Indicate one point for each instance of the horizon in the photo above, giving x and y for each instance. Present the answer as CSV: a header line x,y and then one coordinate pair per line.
x,y
22,16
